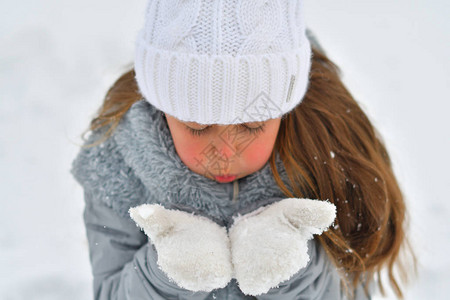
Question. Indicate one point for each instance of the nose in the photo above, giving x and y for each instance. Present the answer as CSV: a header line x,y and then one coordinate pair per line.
x,y
224,152
223,164
225,142
224,149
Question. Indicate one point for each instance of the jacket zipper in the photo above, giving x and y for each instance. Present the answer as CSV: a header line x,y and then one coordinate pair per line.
x,y
235,191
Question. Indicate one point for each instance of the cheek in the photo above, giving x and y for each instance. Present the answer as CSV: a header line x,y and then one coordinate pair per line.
x,y
259,150
189,151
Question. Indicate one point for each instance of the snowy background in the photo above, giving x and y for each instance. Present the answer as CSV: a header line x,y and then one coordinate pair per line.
x,y
58,58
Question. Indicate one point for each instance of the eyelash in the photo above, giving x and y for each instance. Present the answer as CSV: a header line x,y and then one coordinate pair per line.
x,y
203,131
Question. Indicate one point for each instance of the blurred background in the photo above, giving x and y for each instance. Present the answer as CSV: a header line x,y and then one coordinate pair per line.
x,y
58,58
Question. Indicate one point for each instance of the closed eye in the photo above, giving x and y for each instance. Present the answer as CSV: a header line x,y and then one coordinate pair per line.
x,y
198,132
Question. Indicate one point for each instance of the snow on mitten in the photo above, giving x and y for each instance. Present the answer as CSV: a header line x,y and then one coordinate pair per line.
x,y
269,245
193,251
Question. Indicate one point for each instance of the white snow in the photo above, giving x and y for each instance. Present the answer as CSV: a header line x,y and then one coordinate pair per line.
x,y
146,211
58,58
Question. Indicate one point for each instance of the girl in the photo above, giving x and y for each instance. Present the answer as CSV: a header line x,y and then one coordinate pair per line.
x,y
254,174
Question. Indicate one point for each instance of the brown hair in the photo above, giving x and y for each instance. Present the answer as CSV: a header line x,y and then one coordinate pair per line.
x,y
330,151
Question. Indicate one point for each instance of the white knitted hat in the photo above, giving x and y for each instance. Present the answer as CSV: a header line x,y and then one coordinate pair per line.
x,y
223,61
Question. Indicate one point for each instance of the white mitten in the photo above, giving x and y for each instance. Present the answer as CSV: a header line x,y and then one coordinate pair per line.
x,y
193,251
269,245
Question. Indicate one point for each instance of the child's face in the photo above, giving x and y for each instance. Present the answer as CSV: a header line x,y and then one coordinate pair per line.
x,y
224,149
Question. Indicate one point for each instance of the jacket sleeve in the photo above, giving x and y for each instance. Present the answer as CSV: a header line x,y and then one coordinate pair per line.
x,y
318,280
123,261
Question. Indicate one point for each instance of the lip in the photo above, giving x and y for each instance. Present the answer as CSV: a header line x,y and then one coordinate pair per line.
x,y
225,178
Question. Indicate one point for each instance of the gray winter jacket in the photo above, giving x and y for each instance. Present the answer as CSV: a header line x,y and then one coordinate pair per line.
x,y
139,164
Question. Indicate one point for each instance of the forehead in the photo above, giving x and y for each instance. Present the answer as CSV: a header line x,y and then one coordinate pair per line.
x,y
191,123
198,124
